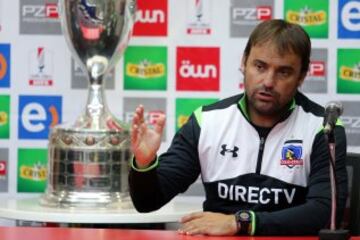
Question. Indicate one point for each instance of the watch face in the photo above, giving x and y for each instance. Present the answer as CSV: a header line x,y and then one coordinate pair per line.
x,y
244,216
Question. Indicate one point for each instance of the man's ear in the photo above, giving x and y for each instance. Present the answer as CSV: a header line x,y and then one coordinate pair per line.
x,y
242,65
302,78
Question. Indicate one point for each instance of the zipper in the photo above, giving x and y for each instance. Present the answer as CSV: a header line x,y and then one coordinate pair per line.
x,y
261,152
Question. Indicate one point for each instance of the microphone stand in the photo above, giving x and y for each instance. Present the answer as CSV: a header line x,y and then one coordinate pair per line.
x,y
333,233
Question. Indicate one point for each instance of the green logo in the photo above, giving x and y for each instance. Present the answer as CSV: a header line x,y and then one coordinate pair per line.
x,y
4,117
145,68
348,71
185,106
312,15
32,170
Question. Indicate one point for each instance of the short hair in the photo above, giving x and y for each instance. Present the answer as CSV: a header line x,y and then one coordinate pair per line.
x,y
287,37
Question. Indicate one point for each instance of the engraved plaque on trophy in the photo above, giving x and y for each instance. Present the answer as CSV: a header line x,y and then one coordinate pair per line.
x,y
89,159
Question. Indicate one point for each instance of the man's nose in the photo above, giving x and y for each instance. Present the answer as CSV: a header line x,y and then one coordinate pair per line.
x,y
269,79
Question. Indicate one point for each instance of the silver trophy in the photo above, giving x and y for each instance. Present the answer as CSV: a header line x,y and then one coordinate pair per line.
x,y
89,160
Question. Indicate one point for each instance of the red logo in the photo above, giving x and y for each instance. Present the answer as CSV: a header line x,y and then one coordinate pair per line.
x,y
151,18
198,69
263,13
2,168
51,10
316,69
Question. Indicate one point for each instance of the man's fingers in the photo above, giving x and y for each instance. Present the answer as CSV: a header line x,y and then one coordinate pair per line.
x,y
191,217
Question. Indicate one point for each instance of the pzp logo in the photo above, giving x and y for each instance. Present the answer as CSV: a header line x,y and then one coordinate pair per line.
x,y
2,168
349,19
260,13
37,114
49,10
316,69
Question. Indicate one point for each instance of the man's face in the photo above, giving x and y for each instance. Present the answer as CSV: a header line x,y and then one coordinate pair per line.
x,y
271,79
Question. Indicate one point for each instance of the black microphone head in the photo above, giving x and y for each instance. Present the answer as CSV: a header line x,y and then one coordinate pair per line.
x,y
334,106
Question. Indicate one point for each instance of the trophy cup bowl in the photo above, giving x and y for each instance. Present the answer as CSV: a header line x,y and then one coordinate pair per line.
x,y
89,160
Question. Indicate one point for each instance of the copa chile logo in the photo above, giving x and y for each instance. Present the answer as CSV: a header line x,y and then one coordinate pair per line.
x,y
349,19
4,65
37,114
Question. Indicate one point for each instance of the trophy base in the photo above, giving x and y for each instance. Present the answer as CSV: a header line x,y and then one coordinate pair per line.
x,y
98,200
88,169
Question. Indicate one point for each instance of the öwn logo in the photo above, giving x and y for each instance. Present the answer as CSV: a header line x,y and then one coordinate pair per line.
x,y
349,19
37,114
197,69
151,18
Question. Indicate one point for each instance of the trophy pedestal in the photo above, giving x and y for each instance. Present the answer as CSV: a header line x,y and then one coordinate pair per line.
x,y
88,169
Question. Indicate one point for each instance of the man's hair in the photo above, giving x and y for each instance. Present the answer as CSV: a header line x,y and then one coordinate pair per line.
x,y
286,36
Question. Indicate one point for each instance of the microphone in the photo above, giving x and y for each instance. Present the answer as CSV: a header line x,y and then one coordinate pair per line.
x,y
333,110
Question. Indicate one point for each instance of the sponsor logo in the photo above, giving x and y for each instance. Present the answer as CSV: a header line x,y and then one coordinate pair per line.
x,y
186,106
225,150
4,169
245,15
32,170
151,18
39,17
79,79
291,154
198,69
348,71
349,19
5,65
4,117
351,122
316,79
313,16
153,106
307,17
37,114
255,195
199,17
41,67
145,68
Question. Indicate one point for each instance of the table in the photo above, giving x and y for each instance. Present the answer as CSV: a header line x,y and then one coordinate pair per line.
x,y
31,233
30,210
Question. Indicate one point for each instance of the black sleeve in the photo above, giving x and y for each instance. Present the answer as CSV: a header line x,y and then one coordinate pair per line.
x,y
314,214
178,168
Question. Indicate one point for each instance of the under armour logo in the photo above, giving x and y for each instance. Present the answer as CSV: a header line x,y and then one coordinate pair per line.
x,y
233,151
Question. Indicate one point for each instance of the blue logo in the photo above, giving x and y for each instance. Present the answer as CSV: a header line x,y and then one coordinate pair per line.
x,y
5,65
37,114
291,154
349,19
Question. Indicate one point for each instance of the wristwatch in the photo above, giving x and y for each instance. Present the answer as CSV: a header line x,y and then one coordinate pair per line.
x,y
243,220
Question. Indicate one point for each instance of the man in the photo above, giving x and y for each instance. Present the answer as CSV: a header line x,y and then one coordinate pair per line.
x,y
262,155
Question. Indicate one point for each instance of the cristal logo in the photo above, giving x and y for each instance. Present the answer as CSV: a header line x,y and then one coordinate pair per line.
x,y
350,16
306,17
37,172
351,74
3,66
145,69
4,118
37,115
198,68
49,10
150,16
316,69
189,70
2,168
259,13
